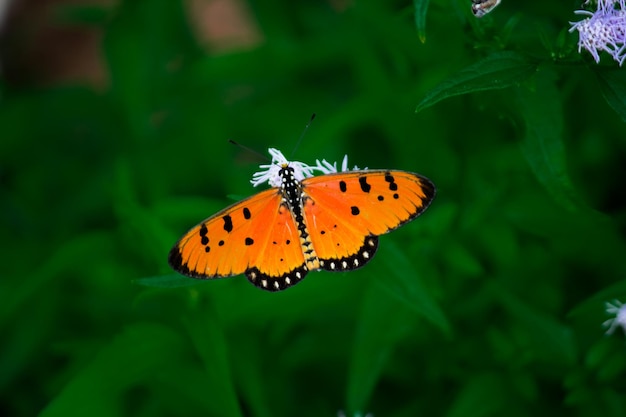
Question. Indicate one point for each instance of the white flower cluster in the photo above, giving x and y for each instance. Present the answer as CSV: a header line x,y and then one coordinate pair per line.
x,y
270,172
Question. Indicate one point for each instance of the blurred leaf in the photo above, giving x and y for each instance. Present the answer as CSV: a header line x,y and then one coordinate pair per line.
x,y
64,259
135,355
613,86
146,44
208,339
603,353
405,283
462,260
421,9
483,395
253,383
543,148
167,281
552,341
381,325
497,71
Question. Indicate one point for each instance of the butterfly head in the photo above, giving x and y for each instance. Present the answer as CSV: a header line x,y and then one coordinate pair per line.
x,y
273,173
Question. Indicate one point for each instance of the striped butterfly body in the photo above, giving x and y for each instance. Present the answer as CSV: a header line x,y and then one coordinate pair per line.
x,y
304,223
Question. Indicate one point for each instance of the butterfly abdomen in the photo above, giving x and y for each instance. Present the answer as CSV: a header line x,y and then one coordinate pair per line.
x,y
292,201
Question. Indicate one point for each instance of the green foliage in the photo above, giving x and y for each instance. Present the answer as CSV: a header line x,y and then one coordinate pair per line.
x,y
489,304
499,70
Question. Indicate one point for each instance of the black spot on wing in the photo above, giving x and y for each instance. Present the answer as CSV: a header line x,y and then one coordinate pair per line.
x,y
392,182
365,187
204,239
246,213
355,210
228,223
429,191
342,186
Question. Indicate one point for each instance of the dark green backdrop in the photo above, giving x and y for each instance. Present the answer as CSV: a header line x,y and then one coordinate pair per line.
x,y
489,304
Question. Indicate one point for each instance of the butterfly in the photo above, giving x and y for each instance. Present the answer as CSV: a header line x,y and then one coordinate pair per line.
x,y
303,223
482,7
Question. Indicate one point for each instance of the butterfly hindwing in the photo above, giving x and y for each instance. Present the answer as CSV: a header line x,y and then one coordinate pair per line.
x,y
257,236
279,263
345,212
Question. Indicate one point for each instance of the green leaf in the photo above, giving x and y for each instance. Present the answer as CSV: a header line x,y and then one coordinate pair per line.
x,y
421,7
211,346
382,323
166,281
613,87
386,317
62,261
142,44
543,147
405,284
549,340
500,70
482,395
136,354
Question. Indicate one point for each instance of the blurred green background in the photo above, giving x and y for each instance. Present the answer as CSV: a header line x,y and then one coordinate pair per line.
x,y
489,304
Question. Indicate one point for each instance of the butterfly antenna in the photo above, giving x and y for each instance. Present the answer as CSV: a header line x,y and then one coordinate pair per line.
x,y
302,134
252,151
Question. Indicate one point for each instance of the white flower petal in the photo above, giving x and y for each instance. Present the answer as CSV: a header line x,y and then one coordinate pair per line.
x,y
270,173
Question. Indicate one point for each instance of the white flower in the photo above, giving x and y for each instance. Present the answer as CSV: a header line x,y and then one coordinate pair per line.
x,y
327,168
270,173
619,310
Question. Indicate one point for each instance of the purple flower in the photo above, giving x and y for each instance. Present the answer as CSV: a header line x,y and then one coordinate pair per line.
x,y
604,30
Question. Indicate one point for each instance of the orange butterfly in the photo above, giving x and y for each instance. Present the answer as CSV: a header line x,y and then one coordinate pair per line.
x,y
303,223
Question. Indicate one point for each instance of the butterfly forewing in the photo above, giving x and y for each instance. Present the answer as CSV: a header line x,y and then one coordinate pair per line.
x,y
258,231
346,211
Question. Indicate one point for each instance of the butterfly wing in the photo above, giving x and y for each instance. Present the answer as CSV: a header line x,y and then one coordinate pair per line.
x,y
257,236
346,212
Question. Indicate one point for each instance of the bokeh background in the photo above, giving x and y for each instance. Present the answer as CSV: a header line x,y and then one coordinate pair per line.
x,y
114,124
